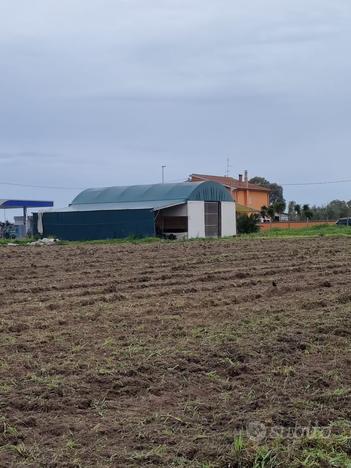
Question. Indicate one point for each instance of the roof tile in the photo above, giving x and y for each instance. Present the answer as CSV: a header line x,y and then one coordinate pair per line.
x,y
231,182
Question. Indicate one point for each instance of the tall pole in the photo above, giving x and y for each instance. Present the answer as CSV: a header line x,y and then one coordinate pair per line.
x,y
163,174
25,220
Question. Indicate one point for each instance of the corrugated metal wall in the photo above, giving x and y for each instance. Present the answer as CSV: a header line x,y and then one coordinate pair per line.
x,y
95,225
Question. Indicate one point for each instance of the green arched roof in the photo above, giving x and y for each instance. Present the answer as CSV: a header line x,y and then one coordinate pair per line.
x,y
186,191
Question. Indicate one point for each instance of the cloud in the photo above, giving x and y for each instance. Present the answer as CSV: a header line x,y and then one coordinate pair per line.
x,y
169,48
106,91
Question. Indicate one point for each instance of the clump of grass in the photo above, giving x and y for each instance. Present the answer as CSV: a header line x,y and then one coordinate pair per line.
x,y
8,430
19,449
238,445
319,230
330,446
71,444
16,241
124,240
50,381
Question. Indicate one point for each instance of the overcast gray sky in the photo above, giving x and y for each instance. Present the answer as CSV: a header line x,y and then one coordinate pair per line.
x,y
103,92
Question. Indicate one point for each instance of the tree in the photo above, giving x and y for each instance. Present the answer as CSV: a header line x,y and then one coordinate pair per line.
x,y
320,213
279,206
247,224
271,211
291,209
298,209
276,189
338,209
306,211
263,211
333,210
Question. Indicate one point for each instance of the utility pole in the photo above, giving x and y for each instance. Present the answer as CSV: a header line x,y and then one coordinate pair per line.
x,y
25,220
163,174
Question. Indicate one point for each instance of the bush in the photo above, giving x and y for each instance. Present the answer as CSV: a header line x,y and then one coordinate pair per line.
x,y
247,224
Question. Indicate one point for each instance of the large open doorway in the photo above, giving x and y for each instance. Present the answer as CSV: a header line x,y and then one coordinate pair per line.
x,y
172,222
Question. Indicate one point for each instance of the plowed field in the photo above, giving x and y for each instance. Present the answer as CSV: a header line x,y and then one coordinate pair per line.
x,y
164,354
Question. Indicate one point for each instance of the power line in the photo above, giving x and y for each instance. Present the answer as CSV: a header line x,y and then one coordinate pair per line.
x,y
344,181
13,184
57,187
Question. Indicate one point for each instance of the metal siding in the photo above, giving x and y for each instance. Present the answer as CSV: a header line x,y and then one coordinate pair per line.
x,y
228,219
96,225
35,224
136,193
210,192
195,191
196,219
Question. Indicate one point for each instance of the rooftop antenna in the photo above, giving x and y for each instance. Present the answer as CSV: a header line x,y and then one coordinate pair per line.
x,y
163,174
228,166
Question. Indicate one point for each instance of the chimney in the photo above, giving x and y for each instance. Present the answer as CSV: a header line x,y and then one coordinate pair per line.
x,y
246,177
240,177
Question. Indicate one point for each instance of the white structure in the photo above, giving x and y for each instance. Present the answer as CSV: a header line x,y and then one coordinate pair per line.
x,y
228,219
198,219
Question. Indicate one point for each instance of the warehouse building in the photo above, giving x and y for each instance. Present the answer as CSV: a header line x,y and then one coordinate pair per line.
x,y
184,210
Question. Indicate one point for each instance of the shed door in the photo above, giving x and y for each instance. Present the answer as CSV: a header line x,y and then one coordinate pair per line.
x,y
212,219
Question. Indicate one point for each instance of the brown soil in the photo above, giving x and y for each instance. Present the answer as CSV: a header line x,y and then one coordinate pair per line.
x,y
158,354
